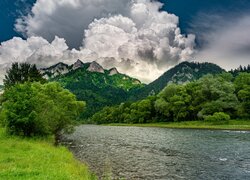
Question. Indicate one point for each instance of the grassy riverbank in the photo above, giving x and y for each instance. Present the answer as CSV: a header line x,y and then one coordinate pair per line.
x,y
38,159
232,125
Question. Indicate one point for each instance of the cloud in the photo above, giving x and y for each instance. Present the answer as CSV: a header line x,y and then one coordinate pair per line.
x,y
133,35
225,39
39,51
66,18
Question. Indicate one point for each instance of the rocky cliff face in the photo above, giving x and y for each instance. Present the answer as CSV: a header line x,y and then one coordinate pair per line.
x,y
78,64
95,67
184,75
56,70
61,69
113,71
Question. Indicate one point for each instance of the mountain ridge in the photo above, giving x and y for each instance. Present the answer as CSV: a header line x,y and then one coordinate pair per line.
x,y
107,87
182,73
92,83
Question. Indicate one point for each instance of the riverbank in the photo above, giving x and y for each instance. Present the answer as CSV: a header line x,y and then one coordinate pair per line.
x,y
232,125
22,158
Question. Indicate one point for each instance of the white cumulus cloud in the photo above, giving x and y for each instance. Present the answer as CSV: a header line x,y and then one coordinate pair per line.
x,y
227,43
133,35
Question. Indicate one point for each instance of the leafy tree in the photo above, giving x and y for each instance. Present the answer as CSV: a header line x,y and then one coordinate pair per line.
x,y
20,73
217,95
242,81
173,102
142,111
32,109
242,85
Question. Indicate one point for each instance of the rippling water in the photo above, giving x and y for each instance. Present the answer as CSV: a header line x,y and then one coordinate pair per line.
x,y
158,153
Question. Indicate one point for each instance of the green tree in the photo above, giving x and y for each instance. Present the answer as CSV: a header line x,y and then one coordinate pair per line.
x,y
217,94
142,111
32,109
20,73
173,102
242,85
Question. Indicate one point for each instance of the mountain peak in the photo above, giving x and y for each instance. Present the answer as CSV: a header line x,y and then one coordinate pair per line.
x,y
95,67
113,71
55,70
78,64
59,65
180,74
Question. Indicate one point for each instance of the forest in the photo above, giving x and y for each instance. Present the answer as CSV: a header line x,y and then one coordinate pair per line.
x,y
216,98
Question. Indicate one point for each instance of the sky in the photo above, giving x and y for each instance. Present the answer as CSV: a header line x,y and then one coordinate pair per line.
x,y
142,38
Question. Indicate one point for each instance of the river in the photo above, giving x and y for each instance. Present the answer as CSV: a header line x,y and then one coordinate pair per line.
x,y
159,153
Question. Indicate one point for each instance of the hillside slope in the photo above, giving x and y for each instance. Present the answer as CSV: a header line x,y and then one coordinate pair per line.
x,y
92,83
182,73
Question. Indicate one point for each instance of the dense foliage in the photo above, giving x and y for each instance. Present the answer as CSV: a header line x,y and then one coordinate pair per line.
x,y
32,109
211,97
98,89
182,73
20,73
101,89
218,118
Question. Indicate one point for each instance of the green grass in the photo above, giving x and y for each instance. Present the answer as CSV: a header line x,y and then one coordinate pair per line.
x,y
232,125
38,159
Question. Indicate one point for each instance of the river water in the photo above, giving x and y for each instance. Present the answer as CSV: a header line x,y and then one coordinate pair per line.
x,y
159,153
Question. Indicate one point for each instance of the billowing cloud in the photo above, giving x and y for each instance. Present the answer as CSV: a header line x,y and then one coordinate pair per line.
x,y
133,35
67,18
225,39
39,51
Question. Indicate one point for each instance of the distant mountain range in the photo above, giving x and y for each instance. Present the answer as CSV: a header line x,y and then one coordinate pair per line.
x,y
61,69
100,87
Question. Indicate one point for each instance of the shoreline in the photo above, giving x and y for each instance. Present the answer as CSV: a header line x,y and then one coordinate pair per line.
x,y
234,125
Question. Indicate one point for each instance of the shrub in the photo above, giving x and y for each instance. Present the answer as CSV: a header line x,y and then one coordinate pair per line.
x,y
218,118
32,109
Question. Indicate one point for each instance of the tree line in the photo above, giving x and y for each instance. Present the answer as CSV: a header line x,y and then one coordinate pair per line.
x,y
211,98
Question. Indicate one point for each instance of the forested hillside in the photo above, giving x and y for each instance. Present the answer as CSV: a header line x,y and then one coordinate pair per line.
x,y
93,84
100,87
182,73
211,98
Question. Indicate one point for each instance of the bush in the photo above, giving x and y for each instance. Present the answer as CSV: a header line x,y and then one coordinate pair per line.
x,y
32,109
218,118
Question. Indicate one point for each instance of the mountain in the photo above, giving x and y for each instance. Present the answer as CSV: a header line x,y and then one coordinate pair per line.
x,y
100,87
180,74
55,70
92,83
78,64
95,67
61,68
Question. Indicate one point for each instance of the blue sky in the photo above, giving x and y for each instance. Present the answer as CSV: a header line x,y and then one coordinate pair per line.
x,y
186,10
189,10
9,11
